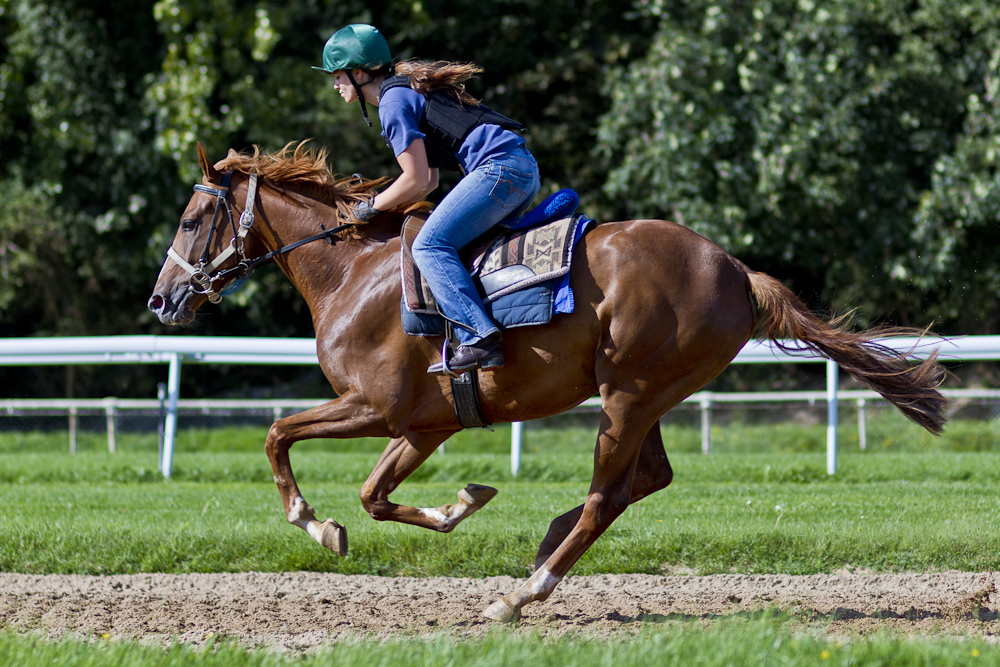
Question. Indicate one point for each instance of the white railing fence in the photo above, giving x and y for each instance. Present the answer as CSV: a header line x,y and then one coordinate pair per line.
x,y
177,350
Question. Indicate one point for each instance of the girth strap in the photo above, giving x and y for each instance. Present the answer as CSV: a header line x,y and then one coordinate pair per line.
x,y
465,391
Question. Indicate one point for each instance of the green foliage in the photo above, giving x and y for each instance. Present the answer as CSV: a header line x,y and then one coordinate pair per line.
x,y
27,234
847,147
825,142
84,187
956,222
101,106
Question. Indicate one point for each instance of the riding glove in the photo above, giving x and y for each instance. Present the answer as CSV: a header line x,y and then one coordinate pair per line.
x,y
364,211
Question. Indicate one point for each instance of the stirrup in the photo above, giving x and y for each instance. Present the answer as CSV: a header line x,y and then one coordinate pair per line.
x,y
446,347
445,353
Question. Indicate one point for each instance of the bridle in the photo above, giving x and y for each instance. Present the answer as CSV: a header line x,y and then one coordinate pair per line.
x,y
203,277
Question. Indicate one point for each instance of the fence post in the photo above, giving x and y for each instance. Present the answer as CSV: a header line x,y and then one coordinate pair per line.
x,y
516,434
161,396
706,424
831,416
862,431
72,429
170,424
109,417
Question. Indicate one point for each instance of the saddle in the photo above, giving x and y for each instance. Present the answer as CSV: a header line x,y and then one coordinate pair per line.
x,y
522,271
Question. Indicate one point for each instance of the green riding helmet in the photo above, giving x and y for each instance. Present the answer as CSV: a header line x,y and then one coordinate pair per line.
x,y
358,46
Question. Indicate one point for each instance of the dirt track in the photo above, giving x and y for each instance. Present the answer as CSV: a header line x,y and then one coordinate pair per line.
x,y
299,611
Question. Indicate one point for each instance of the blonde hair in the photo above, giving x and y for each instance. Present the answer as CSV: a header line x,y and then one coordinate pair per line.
x,y
449,77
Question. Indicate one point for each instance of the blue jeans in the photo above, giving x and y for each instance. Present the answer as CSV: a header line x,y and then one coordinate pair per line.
x,y
499,188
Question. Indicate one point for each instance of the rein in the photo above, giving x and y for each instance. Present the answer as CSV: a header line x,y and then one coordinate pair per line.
x,y
205,275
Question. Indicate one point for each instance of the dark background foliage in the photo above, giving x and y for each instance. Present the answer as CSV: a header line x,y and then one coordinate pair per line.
x,y
848,147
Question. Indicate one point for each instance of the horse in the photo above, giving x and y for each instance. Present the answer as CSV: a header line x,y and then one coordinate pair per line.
x,y
659,312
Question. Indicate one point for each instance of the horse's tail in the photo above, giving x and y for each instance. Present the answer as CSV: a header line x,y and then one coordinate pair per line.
x,y
911,388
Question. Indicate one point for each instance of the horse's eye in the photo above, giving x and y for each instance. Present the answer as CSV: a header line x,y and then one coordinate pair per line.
x,y
187,224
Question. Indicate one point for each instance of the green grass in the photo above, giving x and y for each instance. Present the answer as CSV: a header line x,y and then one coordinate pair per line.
x,y
97,513
756,639
897,507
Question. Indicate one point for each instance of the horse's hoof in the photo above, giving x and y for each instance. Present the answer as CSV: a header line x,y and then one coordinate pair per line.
x,y
503,612
477,495
334,537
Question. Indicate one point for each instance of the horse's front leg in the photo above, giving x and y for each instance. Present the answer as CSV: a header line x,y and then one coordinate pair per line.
x,y
401,457
349,416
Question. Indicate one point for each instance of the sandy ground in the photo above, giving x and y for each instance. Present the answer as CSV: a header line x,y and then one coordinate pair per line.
x,y
303,610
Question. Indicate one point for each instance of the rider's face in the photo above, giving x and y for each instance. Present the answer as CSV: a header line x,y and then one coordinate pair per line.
x,y
344,86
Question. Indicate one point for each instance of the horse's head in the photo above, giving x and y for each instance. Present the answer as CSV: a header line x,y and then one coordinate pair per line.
x,y
214,250
207,251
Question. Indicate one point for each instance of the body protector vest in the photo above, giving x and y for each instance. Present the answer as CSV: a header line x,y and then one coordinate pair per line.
x,y
447,122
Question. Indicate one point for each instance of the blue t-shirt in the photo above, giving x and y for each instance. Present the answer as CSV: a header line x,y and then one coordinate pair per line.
x,y
400,111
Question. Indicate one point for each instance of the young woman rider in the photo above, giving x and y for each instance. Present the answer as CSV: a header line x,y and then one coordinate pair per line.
x,y
430,122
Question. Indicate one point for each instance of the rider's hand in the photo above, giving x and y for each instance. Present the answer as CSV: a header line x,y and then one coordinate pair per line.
x,y
364,211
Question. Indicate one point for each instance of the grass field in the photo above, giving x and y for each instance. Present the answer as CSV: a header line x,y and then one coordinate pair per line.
x,y
893,508
764,639
97,513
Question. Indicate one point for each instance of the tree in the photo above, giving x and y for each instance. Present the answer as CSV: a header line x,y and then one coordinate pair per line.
x,y
75,163
848,147
802,136
956,229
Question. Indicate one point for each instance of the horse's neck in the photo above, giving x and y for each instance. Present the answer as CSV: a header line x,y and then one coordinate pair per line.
x,y
331,277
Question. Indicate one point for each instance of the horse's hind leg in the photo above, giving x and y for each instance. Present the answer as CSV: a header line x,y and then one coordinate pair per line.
x,y
401,457
623,430
652,473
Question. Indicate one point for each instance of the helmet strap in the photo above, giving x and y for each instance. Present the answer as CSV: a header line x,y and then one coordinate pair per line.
x,y
361,96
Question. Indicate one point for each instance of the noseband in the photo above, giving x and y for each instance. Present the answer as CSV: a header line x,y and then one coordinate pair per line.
x,y
204,276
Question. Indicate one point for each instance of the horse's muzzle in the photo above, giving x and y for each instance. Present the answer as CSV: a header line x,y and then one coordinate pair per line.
x,y
169,310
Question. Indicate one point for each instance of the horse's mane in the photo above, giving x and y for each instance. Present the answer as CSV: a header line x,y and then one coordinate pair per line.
x,y
306,171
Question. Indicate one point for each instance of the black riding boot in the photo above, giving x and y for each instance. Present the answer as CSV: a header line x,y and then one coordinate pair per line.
x,y
485,354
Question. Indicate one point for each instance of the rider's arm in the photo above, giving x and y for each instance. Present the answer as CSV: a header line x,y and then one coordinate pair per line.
x,y
414,183
432,186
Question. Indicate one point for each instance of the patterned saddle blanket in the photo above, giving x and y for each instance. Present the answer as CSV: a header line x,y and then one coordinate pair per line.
x,y
523,275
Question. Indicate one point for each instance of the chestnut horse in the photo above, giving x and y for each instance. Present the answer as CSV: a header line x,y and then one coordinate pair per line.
x,y
660,311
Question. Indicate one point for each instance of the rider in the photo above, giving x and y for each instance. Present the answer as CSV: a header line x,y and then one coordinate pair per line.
x,y
430,122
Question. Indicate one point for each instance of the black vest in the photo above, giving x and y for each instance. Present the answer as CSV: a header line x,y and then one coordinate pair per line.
x,y
447,122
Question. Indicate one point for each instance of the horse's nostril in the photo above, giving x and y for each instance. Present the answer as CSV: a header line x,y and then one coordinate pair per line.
x,y
155,302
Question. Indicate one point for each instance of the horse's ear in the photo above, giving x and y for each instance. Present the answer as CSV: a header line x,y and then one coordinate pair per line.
x,y
206,166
